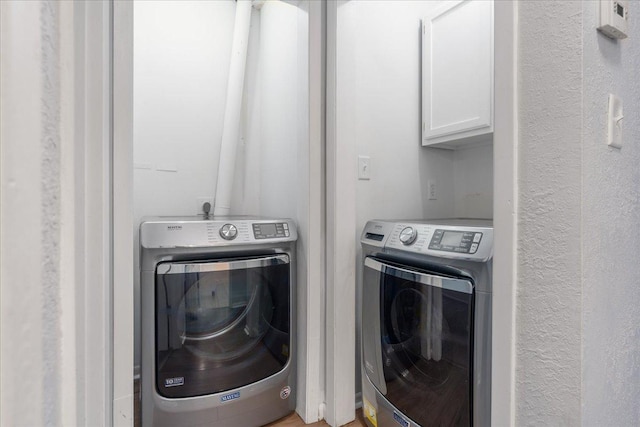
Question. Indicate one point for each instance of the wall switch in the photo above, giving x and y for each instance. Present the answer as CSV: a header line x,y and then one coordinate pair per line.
x,y
200,201
431,186
364,168
614,120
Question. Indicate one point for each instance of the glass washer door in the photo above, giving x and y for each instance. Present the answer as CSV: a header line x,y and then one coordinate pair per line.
x,y
220,324
422,360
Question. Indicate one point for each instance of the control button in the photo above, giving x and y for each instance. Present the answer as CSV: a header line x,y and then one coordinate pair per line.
x,y
474,248
408,235
477,237
228,232
286,226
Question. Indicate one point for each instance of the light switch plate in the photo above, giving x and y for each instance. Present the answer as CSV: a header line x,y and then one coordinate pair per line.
x,y
614,122
364,167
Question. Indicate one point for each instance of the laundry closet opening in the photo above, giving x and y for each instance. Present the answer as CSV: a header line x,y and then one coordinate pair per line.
x,y
190,95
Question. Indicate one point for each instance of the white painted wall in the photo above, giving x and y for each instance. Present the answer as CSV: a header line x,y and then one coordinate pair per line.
x,y
577,321
610,221
473,182
275,173
181,63
378,107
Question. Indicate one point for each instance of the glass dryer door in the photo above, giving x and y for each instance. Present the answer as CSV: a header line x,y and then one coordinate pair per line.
x,y
419,355
220,324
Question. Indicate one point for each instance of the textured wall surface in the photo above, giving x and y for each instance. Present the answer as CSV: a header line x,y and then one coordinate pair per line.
x,y
548,345
611,218
50,182
30,215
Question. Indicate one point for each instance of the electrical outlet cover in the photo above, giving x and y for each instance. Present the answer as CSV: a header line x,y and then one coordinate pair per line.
x,y
431,186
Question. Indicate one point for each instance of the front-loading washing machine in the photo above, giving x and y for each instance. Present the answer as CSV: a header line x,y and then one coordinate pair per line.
x,y
426,323
218,327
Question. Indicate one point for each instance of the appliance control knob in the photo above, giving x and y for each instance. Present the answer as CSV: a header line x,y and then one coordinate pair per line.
x,y
228,232
408,235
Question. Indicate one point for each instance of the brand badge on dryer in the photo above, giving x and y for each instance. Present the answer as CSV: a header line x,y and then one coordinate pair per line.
x,y
230,396
400,419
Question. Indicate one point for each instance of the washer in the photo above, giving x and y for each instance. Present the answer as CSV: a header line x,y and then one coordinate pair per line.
x,y
218,331
426,322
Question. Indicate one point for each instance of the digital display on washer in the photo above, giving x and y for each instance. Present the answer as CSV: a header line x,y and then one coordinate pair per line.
x,y
451,238
270,230
465,242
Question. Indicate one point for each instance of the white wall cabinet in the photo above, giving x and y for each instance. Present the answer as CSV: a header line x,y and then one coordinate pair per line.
x,y
457,74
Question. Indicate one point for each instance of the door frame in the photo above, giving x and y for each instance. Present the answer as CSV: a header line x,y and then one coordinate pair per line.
x,y
122,306
505,208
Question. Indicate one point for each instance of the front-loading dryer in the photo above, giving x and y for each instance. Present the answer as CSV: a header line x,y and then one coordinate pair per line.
x,y
218,305
426,323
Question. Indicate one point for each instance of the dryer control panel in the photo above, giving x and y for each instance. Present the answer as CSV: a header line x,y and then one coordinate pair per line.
x,y
456,239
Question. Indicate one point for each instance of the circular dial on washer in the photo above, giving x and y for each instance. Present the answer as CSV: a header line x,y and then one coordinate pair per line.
x,y
408,235
228,232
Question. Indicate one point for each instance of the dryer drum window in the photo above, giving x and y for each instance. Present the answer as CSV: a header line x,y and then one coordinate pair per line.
x,y
220,324
426,342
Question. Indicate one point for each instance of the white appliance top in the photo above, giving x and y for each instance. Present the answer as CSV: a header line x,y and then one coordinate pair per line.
x,y
464,239
193,232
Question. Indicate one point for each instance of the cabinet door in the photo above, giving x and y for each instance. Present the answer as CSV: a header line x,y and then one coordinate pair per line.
x,y
457,73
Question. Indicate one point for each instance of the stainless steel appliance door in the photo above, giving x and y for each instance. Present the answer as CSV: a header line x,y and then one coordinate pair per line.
x,y
418,340
220,324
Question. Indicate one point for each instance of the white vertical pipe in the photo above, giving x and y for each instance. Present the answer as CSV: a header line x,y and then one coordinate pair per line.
x,y
231,129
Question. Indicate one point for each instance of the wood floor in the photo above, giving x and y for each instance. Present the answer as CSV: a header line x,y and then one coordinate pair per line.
x,y
292,420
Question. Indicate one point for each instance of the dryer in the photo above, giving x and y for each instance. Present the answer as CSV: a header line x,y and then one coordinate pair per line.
x,y
218,327
426,322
